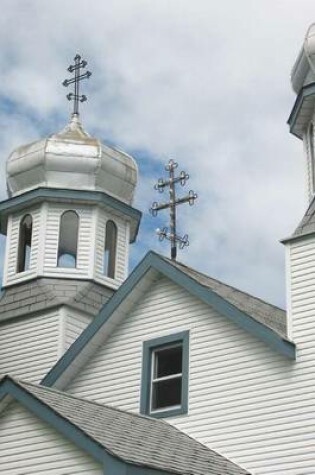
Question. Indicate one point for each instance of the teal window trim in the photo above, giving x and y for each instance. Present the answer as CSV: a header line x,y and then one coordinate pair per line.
x,y
148,348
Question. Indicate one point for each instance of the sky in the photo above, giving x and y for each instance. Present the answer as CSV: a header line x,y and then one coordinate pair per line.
x,y
201,82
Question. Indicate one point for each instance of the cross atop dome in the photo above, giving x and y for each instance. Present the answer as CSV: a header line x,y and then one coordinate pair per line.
x,y
76,97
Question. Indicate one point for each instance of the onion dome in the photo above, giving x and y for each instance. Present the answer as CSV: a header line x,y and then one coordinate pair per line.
x,y
72,159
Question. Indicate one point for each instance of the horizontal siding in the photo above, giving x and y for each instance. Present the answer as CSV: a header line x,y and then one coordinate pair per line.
x,y
85,242
245,400
122,243
11,276
76,322
29,446
29,346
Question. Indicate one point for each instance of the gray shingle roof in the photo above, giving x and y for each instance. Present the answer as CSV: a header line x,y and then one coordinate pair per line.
x,y
136,439
265,313
44,293
307,225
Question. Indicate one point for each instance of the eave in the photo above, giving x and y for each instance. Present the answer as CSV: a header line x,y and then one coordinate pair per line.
x,y
74,197
302,110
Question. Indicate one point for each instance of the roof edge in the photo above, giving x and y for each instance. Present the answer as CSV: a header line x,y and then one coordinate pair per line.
x,y
37,195
154,261
11,387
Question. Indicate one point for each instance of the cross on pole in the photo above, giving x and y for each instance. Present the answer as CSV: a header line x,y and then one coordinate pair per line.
x,y
76,68
171,235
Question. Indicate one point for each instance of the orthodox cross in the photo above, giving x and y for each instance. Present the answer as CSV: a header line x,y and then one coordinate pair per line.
x,y
76,68
170,234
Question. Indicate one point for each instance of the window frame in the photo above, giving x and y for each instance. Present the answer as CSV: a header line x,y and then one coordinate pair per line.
x,y
149,349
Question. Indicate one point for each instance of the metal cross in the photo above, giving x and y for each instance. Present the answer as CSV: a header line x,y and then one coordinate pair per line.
x,y
76,68
172,204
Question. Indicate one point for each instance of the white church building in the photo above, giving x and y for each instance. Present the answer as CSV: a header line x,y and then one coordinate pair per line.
x,y
161,371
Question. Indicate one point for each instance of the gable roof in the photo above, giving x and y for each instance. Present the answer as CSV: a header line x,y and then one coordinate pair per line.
x,y
248,313
130,438
270,315
44,293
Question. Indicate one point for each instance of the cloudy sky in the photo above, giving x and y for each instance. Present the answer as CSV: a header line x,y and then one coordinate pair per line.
x,y
203,82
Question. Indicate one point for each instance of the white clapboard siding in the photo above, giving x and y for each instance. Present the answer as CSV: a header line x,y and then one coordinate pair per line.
x,y
75,323
246,401
29,446
85,242
11,276
29,346
121,251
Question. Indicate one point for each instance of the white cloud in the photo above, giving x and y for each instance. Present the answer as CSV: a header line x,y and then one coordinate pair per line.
x,y
204,82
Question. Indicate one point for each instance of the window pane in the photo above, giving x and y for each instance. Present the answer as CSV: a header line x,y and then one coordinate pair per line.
x,y
109,258
68,239
25,244
167,393
168,361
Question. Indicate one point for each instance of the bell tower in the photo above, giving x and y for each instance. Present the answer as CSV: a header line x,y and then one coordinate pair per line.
x,y
69,221
300,246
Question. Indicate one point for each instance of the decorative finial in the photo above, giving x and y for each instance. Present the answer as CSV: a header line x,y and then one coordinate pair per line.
x,y
76,97
172,204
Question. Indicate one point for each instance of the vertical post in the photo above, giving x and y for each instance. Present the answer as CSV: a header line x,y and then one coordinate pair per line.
x,y
76,84
172,212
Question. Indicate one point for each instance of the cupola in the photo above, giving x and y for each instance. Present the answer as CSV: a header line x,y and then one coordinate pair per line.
x,y
69,214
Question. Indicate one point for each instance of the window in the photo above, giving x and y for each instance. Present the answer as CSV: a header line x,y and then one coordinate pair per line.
x,y
311,155
109,257
25,244
68,240
164,388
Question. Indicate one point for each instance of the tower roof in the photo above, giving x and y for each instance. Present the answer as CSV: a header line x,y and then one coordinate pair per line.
x,y
72,159
303,71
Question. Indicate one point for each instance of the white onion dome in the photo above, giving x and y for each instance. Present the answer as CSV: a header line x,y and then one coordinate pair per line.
x,y
72,159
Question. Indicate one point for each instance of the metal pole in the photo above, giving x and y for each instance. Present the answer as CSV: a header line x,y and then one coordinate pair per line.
x,y
172,213
76,84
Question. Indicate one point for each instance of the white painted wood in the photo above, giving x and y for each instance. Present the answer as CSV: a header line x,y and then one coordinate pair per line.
x,y
29,446
45,239
308,160
29,346
75,323
245,400
121,252
85,241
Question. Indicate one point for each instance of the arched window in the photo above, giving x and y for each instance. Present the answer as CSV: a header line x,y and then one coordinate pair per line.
x,y
68,239
25,243
109,258
311,154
